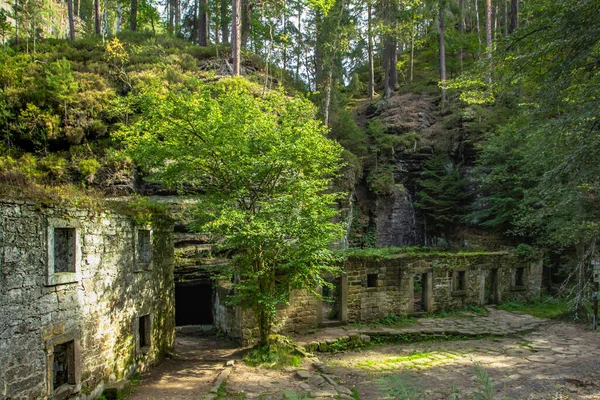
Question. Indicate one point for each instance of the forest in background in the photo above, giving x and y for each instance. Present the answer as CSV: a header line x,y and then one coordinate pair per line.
x,y
516,81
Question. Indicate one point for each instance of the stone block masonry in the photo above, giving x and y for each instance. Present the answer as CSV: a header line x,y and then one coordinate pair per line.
x,y
78,309
374,287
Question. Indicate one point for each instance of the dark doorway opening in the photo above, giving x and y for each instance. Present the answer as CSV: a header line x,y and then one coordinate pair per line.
x,y
422,301
331,306
193,303
492,287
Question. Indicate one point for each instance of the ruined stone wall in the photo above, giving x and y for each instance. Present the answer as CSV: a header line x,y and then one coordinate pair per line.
x,y
300,316
114,313
378,287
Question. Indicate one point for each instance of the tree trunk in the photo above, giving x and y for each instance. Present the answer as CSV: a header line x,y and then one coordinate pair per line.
x,y
119,18
133,16
171,19
224,24
488,27
236,10
442,54
461,31
514,16
299,43
246,22
203,23
389,51
16,11
71,20
412,51
505,18
177,6
97,20
478,28
370,50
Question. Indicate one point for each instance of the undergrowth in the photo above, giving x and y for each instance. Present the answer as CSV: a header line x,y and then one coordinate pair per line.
x,y
279,353
390,252
546,307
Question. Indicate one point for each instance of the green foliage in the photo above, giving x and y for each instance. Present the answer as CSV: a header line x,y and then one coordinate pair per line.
x,y
539,174
444,195
484,389
381,180
262,165
546,307
278,353
398,386
88,169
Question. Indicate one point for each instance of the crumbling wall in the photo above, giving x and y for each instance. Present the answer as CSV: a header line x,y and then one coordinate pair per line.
x,y
378,287
393,292
114,313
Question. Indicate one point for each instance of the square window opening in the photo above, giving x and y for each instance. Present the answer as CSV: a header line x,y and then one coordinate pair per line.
x,y
520,277
371,280
144,331
64,250
143,247
460,281
63,369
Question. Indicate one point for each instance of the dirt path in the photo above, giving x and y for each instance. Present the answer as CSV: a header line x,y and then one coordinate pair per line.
x,y
554,361
560,361
190,373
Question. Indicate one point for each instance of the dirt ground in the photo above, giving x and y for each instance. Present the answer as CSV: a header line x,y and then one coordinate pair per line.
x,y
555,361
558,361
190,373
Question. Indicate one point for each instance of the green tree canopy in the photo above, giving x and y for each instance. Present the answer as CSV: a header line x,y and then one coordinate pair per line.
x,y
262,166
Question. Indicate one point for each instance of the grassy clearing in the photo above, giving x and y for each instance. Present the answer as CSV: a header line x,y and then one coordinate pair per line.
x,y
548,307
416,360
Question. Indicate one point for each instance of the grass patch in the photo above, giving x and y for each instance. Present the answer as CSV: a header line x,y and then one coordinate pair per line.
x,y
548,307
391,252
463,312
392,321
279,353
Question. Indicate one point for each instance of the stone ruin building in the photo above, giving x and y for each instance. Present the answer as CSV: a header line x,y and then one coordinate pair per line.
x,y
372,288
86,299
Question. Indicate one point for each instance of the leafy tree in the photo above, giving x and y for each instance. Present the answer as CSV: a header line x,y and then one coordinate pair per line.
x,y
444,195
260,167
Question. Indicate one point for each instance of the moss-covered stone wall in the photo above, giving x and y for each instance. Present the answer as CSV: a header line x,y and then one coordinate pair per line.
x,y
113,310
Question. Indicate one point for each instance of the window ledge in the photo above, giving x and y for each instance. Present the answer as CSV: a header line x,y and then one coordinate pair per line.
x,y
63,278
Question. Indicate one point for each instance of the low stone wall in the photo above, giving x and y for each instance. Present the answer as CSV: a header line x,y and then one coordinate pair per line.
x,y
376,287
87,299
300,316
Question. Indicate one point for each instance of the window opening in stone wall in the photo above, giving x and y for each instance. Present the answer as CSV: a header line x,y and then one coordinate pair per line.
x,y
460,281
63,369
520,277
144,331
371,280
143,246
64,250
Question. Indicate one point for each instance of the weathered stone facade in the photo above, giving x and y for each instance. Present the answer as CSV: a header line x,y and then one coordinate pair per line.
x,y
87,299
378,287
374,287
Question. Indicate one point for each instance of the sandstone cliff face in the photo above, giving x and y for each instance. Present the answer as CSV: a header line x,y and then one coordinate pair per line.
x,y
393,219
